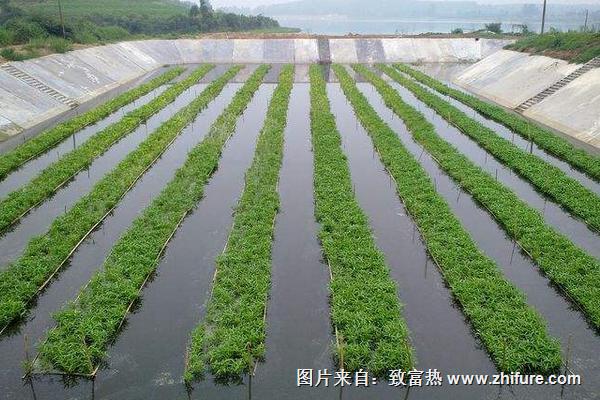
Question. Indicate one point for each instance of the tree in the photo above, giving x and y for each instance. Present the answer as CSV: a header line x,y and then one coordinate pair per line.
x,y
206,9
194,11
495,27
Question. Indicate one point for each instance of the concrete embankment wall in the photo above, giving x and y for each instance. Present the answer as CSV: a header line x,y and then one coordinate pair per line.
x,y
509,78
36,90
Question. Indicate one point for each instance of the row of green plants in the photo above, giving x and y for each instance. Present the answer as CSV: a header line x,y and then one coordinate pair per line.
x,y
365,310
569,267
548,179
86,326
235,329
19,202
46,254
514,334
41,143
546,140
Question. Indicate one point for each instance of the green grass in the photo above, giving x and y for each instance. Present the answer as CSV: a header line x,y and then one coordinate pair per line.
x,y
514,334
83,8
46,254
365,310
19,202
86,326
578,47
546,140
11,54
566,265
234,333
41,143
546,178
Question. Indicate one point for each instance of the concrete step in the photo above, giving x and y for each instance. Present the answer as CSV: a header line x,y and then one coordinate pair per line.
x,y
36,84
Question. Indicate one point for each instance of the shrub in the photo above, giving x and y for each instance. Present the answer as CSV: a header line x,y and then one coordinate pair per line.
x,y
13,55
59,45
112,33
495,27
6,37
24,30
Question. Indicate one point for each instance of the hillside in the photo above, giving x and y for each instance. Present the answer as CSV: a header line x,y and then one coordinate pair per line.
x,y
108,7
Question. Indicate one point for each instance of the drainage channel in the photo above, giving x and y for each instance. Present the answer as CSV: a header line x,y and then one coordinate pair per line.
x,y
578,340
89,258
519,141
13,242
148,358
32,168
299,277
439,333
573,228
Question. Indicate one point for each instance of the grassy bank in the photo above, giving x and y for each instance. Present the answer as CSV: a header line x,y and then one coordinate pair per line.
x,y
577,47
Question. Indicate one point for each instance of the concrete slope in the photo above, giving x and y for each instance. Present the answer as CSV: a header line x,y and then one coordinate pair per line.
x,y
574,109
509,77
82,75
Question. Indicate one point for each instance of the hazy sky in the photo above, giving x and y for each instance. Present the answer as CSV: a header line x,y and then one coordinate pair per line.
x,y
253,3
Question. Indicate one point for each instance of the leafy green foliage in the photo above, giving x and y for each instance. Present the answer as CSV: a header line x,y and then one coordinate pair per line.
x,y
545,139
120,19
236,331
514,334
46,254
365,308
20,201
86,326
579,47
48,139
566,265
545,177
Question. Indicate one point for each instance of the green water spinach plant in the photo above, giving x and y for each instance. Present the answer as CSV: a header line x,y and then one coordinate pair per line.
x,y
86,326
545,139
41,143
514,334
566,265
233,335
19,202
365,310
46,254
545,177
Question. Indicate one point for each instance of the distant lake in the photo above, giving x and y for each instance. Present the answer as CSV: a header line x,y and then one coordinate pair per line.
x,y
340,26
